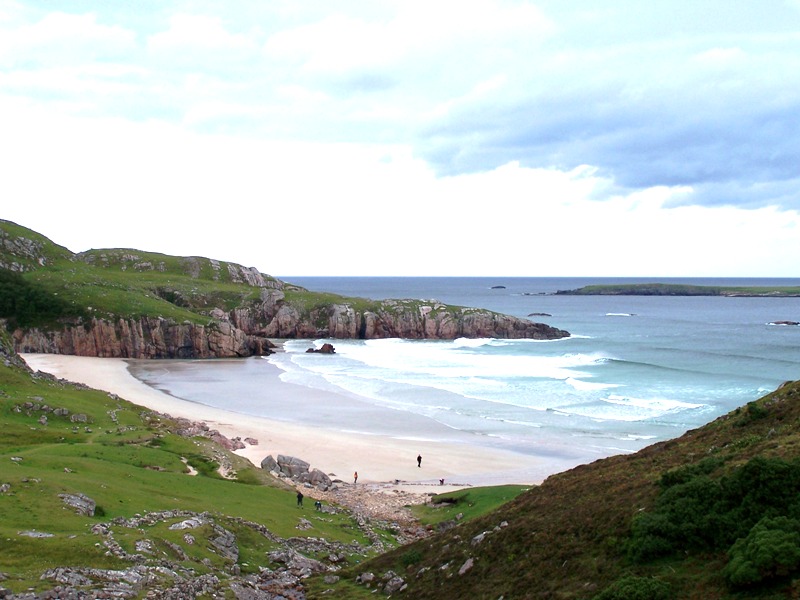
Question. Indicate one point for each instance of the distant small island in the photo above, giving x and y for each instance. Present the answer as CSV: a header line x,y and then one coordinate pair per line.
x,y
678,289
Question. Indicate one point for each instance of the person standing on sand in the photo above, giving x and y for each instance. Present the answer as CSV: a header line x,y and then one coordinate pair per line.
x,y
419,460
355,478
299,498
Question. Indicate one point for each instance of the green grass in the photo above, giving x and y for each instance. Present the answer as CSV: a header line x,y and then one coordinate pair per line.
x,y
131,283
130,463
469,503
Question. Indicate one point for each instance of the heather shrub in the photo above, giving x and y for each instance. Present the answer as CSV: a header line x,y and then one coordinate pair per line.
x,y
771,549
636,588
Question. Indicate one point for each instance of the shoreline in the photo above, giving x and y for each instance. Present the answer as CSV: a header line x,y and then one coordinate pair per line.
x,y
378,458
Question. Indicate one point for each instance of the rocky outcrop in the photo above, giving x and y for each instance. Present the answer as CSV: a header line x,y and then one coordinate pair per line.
x,y
146,337
245,331
8,355
81,503
410,319
326,348
279,310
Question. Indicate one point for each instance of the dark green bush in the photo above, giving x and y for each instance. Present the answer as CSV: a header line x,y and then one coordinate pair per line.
x,y
696,512
686,473
754,412
771,549
25,304
411,557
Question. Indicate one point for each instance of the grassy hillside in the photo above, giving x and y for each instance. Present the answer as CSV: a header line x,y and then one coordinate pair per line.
x,y
58,440
44,285
145,481
713,514
125,282
120,282
679,289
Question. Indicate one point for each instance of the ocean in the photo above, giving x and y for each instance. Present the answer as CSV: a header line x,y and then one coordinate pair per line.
x,y
636,369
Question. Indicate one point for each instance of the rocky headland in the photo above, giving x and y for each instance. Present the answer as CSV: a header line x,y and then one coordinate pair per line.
x,y
122,303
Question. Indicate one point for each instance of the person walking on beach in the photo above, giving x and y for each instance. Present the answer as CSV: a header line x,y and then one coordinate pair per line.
x,y
419,460
299,498
355,478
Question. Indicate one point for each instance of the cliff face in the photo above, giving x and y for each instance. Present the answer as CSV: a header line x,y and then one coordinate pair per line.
x,y
246,332
404,319
146,337
133,304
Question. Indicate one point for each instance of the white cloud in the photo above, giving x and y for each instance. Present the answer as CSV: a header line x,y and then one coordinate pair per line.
x,y
309,208
199,33
60,38
416,31
576,142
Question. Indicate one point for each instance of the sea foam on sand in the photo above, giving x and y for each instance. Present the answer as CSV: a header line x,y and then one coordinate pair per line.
x,y
377,458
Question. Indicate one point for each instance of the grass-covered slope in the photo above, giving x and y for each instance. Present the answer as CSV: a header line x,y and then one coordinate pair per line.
x,y
59,442
120,282
48,288
713,514
680,289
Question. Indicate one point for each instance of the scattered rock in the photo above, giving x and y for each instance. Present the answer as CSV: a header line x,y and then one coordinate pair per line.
x,y
225,543
192,523
466,566
395,584
82,504
479,538
36,534
366,578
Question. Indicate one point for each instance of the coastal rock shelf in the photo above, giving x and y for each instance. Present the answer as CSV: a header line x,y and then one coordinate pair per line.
x,y
123,303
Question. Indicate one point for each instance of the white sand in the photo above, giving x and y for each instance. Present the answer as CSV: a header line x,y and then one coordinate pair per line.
x,y
377,458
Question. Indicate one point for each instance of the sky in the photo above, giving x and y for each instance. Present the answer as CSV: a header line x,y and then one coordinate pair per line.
x,y
580,138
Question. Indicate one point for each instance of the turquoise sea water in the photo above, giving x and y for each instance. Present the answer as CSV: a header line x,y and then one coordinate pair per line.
x,y
635,370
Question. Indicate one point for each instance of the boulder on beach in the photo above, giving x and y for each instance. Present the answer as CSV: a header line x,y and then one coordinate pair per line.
x,y
316,478
292,466
270,464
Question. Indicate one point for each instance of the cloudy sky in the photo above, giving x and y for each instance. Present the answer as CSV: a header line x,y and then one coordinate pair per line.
x,y
484,138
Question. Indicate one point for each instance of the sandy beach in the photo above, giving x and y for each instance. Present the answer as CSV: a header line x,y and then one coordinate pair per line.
x,y
377,458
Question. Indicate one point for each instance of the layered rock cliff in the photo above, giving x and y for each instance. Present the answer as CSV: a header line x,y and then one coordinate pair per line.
x,y
409,319
146,337
246,331
133,304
